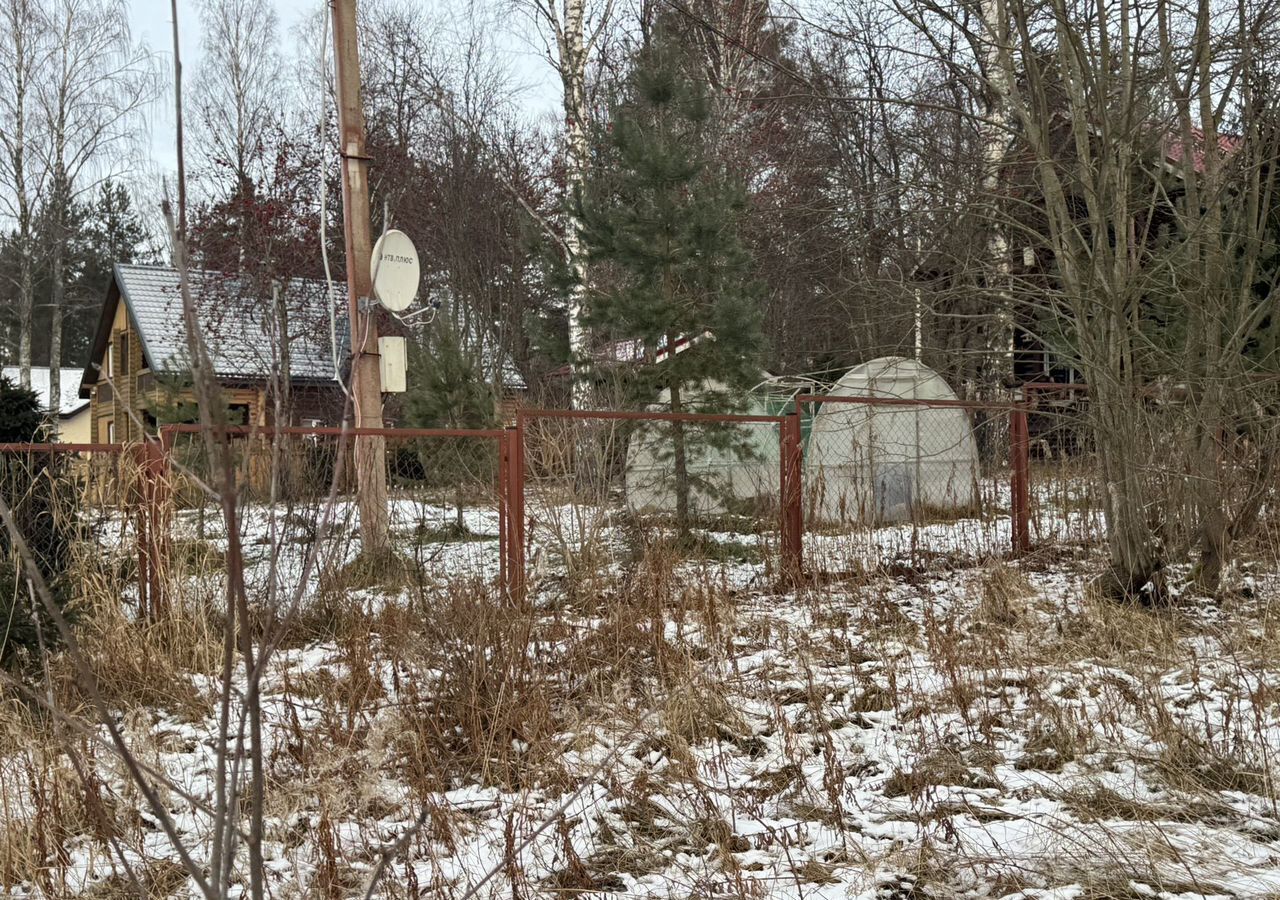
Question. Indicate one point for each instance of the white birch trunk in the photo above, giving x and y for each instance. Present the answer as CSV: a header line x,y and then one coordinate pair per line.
x,y
573,77
19,58
995,143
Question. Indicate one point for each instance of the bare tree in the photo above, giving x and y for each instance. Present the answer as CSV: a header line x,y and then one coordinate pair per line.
x,y
995,136
572,33
93,84
1157,227
237,92
22,53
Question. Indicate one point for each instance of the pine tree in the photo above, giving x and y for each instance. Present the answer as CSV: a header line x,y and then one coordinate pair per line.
x,y
662,220
448,389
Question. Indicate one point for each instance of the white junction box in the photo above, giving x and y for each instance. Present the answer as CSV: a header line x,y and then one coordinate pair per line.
x,y
393,363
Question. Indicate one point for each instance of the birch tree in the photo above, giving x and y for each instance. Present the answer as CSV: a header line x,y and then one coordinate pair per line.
x,y
572,33
22,52
1159,228
94,83
994,135
237,94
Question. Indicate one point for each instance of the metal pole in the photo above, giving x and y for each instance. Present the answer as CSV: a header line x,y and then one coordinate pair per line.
x,y
370,450
1020,449
515,474
159,474
792,537
139,499
504,512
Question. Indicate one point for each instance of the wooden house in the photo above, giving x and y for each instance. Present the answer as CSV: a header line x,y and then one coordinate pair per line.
x,y
275,347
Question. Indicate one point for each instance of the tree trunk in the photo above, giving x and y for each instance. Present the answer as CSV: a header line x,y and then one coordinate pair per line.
x,y
1220,529
994,131
58,292
26,308
573,76
1134,551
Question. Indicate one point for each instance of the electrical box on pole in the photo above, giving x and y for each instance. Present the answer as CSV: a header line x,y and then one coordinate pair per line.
x,y
394,364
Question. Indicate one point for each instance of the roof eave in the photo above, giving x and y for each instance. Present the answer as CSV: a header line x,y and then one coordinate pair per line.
x,y
101,335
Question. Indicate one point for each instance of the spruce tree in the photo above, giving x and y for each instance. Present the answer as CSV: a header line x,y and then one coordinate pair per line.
x,y
35,488
661,222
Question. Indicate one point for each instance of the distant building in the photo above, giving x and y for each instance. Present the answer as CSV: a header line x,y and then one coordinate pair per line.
x,y
73,414
138,375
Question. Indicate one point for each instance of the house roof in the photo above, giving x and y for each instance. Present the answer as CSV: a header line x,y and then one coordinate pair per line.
x,y
632,352
1176,148
236,321
69,403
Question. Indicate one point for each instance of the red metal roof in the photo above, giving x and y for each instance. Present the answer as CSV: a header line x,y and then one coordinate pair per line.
x,y
1176,148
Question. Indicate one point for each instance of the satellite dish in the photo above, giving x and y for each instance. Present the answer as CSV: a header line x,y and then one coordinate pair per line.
x,y
395,270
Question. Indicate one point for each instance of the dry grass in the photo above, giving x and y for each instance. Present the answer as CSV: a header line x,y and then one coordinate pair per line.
x,y
488,712
1127,633
429,687
1005,591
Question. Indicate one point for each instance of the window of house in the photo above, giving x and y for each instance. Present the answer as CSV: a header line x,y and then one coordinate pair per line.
x,y
108,431
111,357
124,353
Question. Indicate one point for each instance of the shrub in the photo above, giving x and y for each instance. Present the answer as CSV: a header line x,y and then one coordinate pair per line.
x,y
32,486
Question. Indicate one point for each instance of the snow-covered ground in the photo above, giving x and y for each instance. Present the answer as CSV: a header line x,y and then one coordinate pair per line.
x,y
673,728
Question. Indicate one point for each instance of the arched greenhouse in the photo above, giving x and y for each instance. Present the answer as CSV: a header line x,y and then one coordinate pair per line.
x,y
731,468
885,463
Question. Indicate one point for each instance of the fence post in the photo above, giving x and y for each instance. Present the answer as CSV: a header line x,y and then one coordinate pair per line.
x,y
1020,478
152,496
137,497
792,525
504,511
515,511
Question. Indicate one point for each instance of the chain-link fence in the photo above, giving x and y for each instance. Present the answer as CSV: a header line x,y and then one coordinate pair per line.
x,y
72,506
605,489
1066,504
834,484
297,506
891,481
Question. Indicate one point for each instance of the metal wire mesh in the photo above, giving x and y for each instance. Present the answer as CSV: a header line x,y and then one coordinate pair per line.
x,y
1066,503
906,482
602,488
67,504
296,498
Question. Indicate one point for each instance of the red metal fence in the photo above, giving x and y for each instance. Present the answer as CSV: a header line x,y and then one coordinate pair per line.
x,y
438,473
105,478
436,476
584,457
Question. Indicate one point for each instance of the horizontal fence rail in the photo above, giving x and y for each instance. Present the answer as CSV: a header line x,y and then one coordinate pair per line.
x,y
570,459
62,448
758,484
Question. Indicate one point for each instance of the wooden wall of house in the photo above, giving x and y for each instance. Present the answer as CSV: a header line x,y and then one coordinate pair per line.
x,y
115,391
130,388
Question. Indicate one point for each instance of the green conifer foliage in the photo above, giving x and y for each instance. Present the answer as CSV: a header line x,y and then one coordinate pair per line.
x,y
448,389
35,488
661,232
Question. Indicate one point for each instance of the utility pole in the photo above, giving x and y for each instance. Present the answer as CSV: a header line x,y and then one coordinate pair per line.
x,y
370,451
